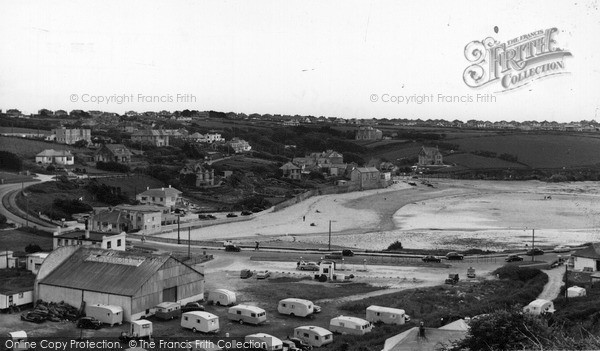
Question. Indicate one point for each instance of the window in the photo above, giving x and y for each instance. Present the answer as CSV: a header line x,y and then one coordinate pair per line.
x,y
239,312
342,324
252,314
20,295
59,242
118,242
306,335
146,326
283,305
316,337
161,199
108,244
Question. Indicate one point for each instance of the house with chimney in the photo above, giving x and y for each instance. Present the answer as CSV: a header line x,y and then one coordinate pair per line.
x,y
113,153
155,137
329,161
204,176
291,171
57,157
71,136
366,177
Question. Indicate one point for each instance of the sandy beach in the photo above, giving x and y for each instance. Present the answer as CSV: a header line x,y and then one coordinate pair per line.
x,y
454,214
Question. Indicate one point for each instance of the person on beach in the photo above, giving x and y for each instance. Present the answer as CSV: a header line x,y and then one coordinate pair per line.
x,y
256,248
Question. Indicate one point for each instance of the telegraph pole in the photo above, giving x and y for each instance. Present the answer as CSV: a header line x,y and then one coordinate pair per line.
x,y
178,239
329,246
532,244
189,242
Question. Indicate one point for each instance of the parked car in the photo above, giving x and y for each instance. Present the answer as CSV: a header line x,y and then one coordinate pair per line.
x,y
206,217
562,248
192,306
431,258
264,274
334,256
347,252
308,266
245,273
452,278
246,213
513,258
454,256
231,215
89,323
301,345
32,317
232,248
535,252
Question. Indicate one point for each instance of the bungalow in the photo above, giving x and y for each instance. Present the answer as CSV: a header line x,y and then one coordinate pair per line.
x,y
366,177
168,197
109,221
59,157
291,171
34,261
113,153
587,259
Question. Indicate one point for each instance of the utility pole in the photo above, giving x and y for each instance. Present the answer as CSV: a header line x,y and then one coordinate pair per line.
x,y
532,244
189,242
566,282
178,239
329,246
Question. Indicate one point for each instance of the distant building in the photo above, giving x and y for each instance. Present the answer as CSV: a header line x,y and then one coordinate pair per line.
x,y
135,281
587,259
368,133
113,153
59,157
109,221
291,171
112,241
210,138
148,218
34,261
168,197
153,136
7,260
71,136
204,176
430,156
366,177
239,145
329,161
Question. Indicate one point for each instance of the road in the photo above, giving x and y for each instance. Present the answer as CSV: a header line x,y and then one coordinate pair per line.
x,y
7,197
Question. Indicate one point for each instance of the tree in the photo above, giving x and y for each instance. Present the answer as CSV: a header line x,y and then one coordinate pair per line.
x,y
32,248
505,330
81,143
10,161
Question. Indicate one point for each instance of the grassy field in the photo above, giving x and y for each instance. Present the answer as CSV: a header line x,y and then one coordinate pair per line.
x,y
477,162
16,240
29,148
539,150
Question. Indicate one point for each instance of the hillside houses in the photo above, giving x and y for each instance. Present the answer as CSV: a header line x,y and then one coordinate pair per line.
x,y
204,176
329,161
430,156
167,197
239,145
368,133
70,136
291,171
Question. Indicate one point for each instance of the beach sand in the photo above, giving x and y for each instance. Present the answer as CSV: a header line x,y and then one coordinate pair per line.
x,y
456,214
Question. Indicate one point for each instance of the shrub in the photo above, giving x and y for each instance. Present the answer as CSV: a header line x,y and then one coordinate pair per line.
x,y
32,248
2,219
396,245
10,161
112,167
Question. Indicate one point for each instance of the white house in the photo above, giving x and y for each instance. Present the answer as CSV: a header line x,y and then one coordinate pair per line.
x,y
587,259
168,197
34,261
59,157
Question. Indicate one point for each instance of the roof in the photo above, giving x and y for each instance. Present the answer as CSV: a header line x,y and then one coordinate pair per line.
x,y
13,283
385,309
38,254
366,169
433,340
141,208
592,251
19,334
538,303
168,304
350,319
141,322
224,291
110,216
459,324
80,234
116,149
201,314
289,166
293,299
249,307
166,192
318,330
430,151
54,153
99,270
111,308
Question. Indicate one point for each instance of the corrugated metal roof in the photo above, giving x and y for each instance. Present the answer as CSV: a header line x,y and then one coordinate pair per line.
x,y
106,271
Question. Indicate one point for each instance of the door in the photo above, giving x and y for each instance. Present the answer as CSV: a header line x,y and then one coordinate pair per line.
x,y
170,294
597,265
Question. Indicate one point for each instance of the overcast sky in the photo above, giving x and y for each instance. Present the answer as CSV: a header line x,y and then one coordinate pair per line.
x,y
321,58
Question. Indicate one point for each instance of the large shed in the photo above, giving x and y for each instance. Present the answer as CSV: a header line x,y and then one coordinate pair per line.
x,y
135,281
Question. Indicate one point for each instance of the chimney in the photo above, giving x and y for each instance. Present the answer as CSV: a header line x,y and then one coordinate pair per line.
x,y
87,234
163,189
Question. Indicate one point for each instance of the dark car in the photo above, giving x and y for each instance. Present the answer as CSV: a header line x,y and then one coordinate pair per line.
x,y
513,258
89,323
347,252
302,345
32,317
431,258
454,256
334,256
246,213
231,214
534,252
232,248
192,306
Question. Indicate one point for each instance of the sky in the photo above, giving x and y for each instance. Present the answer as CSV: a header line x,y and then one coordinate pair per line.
x,y
350,59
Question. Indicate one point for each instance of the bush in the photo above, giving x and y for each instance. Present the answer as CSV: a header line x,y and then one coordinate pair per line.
x,y
32,248
2,219
396,245
112,167
10,161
